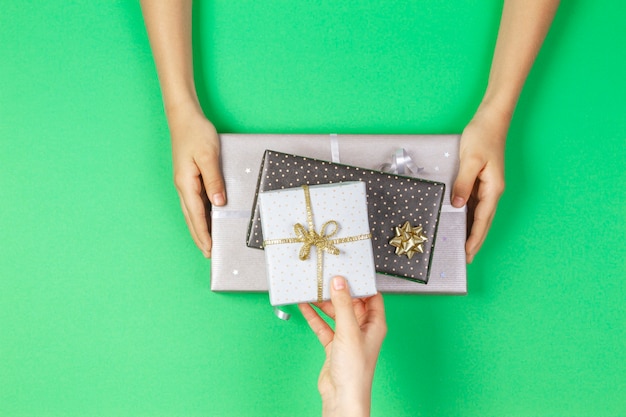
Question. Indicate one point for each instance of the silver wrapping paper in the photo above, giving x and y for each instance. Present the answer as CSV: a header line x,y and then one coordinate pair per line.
x,y
235,267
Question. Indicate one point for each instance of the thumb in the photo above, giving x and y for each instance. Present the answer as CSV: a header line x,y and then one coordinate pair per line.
x,y
342,303
212,179
468,171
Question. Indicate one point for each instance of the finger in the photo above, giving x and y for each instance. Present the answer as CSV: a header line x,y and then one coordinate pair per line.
x,y
321,329
469,169
345,319
194,236
483,216
375,309
327,308
209,165
376,324
358,306
190,192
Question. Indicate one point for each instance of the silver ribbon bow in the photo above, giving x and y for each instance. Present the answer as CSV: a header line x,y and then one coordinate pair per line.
x,y
401,164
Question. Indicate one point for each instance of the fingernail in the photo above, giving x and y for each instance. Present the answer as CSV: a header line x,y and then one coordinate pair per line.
x,y
218,199
339,283
458,201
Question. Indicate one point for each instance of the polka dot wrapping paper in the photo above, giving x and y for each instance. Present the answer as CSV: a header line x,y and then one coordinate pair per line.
x,y
393,200
237,267
335,216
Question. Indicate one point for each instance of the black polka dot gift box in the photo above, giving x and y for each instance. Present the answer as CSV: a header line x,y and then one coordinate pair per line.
x,y
403,211
237,267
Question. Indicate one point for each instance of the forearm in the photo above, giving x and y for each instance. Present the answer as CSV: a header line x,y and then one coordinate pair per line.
x,y
169,29
523,27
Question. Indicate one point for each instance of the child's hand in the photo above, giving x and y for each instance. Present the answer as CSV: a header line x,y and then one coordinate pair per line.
x,y
197,173
345,382
480,181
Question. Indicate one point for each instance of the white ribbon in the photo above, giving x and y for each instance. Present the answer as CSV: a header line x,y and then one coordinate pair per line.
x,y
281,314
334,148
230,214
401,164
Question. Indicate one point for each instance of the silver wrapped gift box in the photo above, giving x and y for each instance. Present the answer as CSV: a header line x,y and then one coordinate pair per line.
x,y
236,267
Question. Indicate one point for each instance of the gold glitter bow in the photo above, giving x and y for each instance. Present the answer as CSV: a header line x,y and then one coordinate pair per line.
x,y
408,240
312,238
322,241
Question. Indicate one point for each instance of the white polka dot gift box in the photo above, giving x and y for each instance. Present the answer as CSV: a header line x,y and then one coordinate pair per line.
x,y
403,211
236,267
312,234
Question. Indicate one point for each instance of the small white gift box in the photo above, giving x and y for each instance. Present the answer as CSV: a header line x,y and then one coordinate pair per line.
x,y
313,233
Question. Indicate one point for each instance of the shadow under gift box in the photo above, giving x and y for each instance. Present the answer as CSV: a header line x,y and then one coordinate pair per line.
x,y
236,267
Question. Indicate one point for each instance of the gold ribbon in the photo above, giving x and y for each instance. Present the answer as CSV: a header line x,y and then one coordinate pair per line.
x,y
322,241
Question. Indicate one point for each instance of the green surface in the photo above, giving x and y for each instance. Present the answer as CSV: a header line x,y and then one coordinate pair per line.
x,y
105,307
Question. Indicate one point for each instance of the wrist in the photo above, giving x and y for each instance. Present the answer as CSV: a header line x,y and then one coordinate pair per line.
x,y
347,404
498,103
182,114
182,108
494,117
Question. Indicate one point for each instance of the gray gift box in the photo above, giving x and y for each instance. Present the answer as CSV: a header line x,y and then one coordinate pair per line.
x,y
236,267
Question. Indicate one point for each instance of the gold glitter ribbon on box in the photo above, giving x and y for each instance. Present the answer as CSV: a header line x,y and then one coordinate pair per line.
x,y
322,241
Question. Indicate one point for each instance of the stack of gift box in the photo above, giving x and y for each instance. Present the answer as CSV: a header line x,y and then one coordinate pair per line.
x,y
304,208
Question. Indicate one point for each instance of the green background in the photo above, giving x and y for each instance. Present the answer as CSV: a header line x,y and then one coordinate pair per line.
x,y
105,307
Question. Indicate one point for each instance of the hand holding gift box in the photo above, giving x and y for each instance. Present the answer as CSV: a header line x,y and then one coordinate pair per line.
x,y
312,234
